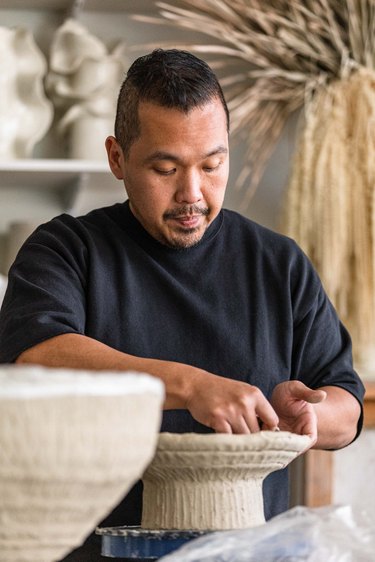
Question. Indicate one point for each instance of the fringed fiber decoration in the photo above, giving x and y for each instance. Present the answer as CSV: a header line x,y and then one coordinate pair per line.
x,y
329,206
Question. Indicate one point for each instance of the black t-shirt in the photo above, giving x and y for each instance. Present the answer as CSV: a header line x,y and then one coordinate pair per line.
x,y
244,303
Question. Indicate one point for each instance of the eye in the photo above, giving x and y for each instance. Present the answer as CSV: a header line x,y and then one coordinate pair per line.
x,y
164,172
211,169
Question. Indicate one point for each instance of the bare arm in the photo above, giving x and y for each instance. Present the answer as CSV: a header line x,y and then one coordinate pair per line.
x,y
338,417
330,414
225,405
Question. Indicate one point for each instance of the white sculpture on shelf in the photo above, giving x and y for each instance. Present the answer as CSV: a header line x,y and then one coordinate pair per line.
x,y
71,445
83,82
25,111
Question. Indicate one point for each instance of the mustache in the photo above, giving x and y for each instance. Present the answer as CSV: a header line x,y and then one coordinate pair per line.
x,y
186,210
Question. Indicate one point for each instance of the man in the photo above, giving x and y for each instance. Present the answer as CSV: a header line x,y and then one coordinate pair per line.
x,y
231,316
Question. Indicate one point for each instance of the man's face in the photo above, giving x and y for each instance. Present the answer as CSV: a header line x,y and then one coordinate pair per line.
x,y
176,171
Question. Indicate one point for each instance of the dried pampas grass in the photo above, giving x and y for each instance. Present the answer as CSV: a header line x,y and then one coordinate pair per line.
x,y
329,206
268,54
273,58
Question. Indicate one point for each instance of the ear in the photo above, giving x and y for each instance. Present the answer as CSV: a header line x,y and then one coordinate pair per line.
x,y
115,157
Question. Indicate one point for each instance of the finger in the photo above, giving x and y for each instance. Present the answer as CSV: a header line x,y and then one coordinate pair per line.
x,y
267,415
316,396
311,431
309,427
241,426
265,427
252,422
222,426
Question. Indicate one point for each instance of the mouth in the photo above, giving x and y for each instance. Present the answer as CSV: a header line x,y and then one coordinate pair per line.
x,y
188,217
187,221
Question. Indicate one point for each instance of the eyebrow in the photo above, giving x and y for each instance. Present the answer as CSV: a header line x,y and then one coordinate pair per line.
x,y
162,155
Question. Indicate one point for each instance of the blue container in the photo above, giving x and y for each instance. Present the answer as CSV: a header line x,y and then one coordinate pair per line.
x,y
135,543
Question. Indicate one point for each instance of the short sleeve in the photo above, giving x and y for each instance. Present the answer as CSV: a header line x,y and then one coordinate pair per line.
x,y
322,349
45,296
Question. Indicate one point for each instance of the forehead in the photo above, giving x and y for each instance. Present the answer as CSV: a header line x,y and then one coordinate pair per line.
x,y
201,127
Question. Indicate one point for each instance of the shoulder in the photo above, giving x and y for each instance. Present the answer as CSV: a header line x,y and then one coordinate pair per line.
x,y
261,238
66,227
277,255
66,239
261,233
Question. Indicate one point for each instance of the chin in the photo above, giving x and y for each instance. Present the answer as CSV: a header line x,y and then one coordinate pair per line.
x,y
185,239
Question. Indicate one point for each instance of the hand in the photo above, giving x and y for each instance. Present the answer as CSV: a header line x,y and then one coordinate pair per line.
x,y
293,402
229,406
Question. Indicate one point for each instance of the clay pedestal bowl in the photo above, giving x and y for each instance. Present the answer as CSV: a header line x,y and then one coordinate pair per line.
x,y
213,481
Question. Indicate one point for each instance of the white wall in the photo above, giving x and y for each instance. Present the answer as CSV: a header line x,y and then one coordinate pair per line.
x,y
354,482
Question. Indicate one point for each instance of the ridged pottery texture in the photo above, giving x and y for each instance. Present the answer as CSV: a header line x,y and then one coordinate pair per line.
x,y
71,445
213,481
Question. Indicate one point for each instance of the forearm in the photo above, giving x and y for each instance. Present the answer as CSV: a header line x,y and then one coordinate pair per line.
x,y
338,417
225,405
81,352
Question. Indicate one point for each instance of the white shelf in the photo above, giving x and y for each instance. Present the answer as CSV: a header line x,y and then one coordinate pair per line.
x,y
129,6
70,177
46,164
52,173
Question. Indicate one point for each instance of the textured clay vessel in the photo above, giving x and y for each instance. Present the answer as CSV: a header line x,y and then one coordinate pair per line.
x,y
25,112
213,481
71,445
83,81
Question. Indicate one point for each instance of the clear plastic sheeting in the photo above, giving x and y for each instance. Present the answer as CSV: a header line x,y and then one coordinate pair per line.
x,y
329,534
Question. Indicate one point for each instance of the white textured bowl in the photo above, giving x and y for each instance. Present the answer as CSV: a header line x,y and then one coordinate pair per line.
x,y
213,481
72,443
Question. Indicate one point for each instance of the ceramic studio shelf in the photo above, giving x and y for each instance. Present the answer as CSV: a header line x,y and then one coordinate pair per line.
x,y
69,177
88,5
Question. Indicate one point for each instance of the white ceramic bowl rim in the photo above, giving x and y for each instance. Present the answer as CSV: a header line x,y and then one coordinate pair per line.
x,y
36,382
260,441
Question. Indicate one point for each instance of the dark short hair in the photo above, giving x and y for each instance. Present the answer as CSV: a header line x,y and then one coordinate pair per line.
x,y
170,78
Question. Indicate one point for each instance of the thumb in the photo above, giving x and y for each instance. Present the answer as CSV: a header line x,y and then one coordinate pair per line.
x,y
302,392
316,396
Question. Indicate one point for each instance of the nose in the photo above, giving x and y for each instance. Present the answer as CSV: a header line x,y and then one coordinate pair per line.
x,y
189,188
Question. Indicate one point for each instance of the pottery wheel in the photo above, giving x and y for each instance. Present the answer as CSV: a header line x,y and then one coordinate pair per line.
x,y
136,543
